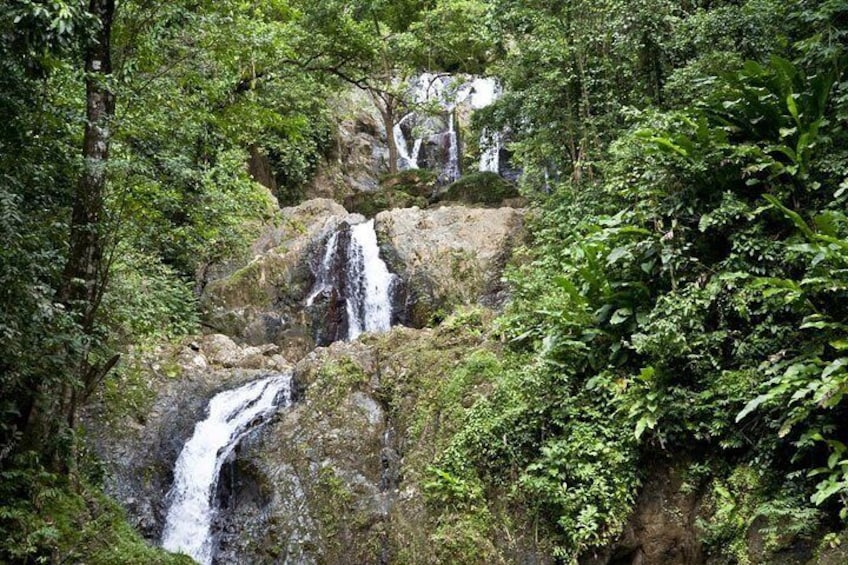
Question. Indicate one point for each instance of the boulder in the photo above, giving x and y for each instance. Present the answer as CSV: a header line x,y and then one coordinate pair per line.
x,y
449,256
263,301
359,155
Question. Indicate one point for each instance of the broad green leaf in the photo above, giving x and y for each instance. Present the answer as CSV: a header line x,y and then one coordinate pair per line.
x,y
751,406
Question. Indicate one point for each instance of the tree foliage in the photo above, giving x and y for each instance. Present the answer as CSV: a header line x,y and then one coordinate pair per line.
x,y
683,294
685,299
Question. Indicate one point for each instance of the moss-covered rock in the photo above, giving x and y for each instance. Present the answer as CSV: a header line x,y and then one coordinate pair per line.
x,y
414,182
402,190
369,204
349,464
263,300
483,188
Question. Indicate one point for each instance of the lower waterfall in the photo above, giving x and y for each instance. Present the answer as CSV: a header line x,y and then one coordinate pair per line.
x,y
231,416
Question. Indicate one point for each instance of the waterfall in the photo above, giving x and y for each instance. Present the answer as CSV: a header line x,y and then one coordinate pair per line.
x,y
324,279
406,160
369,303
449,93
490,158
485,91
452,170
416,150
232,415
354,284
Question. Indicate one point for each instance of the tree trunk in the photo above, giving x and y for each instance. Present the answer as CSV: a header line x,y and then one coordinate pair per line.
x,y
391,141
84,276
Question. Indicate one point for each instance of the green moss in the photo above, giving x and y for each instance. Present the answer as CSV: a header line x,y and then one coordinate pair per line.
x,y
349,533
45,518
127,393
480,188
245,286
369,204
333,502
745,523
833,549
402,190
415,182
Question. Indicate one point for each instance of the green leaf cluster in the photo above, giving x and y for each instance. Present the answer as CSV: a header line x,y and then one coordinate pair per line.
x,y
683,293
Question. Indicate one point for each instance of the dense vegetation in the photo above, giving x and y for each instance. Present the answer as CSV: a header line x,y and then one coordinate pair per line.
x,y
684,294
684,297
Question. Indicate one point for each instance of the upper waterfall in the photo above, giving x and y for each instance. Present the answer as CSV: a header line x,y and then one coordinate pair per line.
x,y
454,96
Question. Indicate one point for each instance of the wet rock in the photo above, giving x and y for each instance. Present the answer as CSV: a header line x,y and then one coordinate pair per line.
x,y
263,301
140,451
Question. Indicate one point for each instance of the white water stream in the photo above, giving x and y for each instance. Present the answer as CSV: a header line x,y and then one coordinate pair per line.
x,y
231,416
360,277
369,300
406,160
449,92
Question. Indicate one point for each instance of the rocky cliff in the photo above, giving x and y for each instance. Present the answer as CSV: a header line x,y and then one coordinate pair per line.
x,y
445,257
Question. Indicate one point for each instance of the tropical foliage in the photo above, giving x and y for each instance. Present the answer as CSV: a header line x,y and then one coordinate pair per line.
x,y
684,294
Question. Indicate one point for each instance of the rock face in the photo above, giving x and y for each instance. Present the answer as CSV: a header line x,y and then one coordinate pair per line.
x,y
661,530
339,477
360,155
448,256
140,452
263,301
445,257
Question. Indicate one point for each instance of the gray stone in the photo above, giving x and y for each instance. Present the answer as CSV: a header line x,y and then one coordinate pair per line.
x,y
450,255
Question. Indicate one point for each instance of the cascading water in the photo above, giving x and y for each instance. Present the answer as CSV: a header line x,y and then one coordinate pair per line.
x,y
485,91
449,92
324,279
406,159
232,415
490,158
369,301
354,284
452,170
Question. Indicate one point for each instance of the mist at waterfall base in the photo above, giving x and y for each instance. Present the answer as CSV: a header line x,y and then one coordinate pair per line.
x,y
354,286
232,415
448,92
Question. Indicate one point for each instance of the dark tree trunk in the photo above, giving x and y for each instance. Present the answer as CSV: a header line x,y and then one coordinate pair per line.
x,y
391,141
84,276
388,104
259,167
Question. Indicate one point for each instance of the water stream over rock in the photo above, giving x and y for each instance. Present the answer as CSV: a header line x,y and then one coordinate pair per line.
x,y
354,286
449,93
232,415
